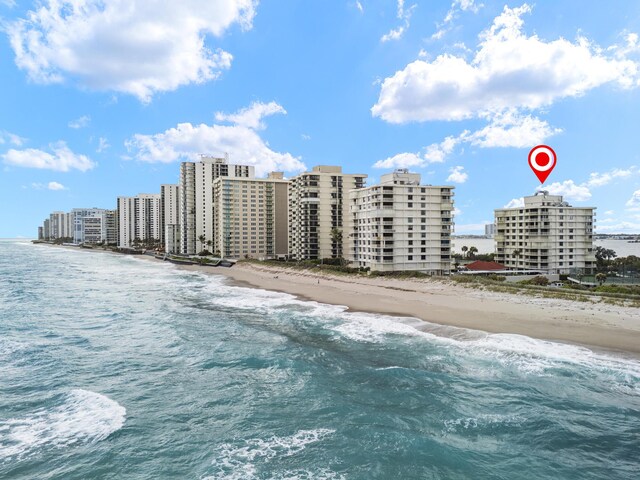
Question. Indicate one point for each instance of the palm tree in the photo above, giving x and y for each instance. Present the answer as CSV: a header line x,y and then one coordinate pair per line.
x,y
464,250
209,244
202,239
336,240
473,251
517,254
601,278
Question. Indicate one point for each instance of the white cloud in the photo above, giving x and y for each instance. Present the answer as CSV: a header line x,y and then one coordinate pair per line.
x,y
609,212
401,160
634,201
240,140
457,212
506,129
304,136
56,186
130,46
6,137
61,158
461,5
457,175
49,186
510,129
515,203
251,116
404,15
81,122
8,3
103,144
437,152
456,7
568,189
600,179
434,153
509,70
394,34
359,6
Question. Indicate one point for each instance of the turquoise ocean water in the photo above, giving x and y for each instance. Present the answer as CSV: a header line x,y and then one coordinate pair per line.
x,y
113,367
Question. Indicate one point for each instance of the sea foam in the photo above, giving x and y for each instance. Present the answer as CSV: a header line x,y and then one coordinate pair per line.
x,y
243,460
83,417
528,356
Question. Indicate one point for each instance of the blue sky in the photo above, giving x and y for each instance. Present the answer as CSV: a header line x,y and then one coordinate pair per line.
x,y
105,98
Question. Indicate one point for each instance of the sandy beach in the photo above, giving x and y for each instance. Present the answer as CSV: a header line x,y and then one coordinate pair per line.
x,y
593,324
598,325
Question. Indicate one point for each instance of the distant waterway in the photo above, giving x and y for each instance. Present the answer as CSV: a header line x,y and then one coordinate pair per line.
x,y
487,245
112,367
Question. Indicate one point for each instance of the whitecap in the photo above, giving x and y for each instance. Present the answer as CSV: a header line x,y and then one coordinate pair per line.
x,y
83,417
528,356
241,461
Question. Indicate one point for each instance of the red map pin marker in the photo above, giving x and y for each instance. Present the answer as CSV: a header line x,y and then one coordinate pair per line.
x,y
542,160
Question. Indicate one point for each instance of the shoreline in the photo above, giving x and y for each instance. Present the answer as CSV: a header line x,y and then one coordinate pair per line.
x,y
599,326
595,325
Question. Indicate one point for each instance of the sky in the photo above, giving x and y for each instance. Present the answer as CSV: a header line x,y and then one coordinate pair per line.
x,y
100,99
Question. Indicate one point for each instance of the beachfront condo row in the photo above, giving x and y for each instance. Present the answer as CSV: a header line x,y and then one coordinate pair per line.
x,y
396,225
81,225
546,234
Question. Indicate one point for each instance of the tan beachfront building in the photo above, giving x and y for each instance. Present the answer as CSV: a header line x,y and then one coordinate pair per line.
x,y
250,217
197,200
401,225
546,234
319,219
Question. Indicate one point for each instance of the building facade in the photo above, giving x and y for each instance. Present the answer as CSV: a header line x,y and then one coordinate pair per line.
x,y
57,226
400,225
250,217
490,230
319,217
196,198
90,225
170,217
546,234
139,220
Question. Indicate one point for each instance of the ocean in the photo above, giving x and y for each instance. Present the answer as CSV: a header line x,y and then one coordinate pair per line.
x,y
114,367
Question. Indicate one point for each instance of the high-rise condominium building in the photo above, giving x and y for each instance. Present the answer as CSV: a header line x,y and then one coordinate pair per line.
x,y
545,234
111,218
46,229
250,217
91,225
319,219
61,225
57,225
402,225
170,217
489,230
139,219
196,198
